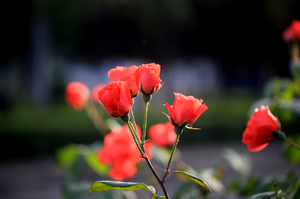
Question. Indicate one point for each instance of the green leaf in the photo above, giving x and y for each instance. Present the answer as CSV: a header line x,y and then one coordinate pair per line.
x,y
92,160
195,179
240,162
65,156
124,186
264,195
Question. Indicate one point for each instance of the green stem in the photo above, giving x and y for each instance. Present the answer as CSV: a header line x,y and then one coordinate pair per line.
x,y
140,146
171,157
136,139
145,122
157,178
132,118
292,143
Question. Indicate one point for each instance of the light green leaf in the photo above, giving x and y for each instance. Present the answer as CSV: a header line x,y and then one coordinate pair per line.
x,y
240,162
66,156
264,195
95,164
124,186
195,179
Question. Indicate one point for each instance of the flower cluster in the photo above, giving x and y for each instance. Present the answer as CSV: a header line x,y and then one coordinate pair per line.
x,y
125,83
120,149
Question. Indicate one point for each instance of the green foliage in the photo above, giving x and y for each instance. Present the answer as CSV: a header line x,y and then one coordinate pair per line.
x,y
101,186
195,179
73,159
238,160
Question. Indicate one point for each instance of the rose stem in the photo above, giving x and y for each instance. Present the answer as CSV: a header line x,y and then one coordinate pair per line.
x,y
145,122
292,143
171,157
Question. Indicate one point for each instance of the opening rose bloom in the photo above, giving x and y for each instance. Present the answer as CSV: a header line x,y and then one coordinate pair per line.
x,y
260,128
292,33
185,110
121,152
76,95
163,134
121,73
116,98
147,78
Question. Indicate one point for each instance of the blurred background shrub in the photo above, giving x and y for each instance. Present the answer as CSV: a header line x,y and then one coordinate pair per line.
x,y
222,51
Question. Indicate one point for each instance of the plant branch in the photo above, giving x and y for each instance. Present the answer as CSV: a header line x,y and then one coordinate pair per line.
x,y
132,118
171,157
157,177
145,122
292,143
136,139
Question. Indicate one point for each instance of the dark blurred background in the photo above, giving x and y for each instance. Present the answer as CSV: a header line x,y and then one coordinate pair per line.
x,y
222,51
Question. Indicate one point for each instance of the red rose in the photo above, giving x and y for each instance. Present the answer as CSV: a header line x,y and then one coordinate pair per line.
x,y
147,78
121,73
185,110
121,152
162,135
292,32
76,95
116,98
94,94
259,129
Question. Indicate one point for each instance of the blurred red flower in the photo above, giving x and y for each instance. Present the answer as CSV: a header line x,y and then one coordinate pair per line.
x,y
121,73
259,129
76,95
116,98
292,32
163,134
121,152
147,78
94,94
185,110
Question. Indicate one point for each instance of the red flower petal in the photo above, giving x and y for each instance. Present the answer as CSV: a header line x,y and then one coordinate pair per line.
x,y
260,128
147,78
185,110
116,98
